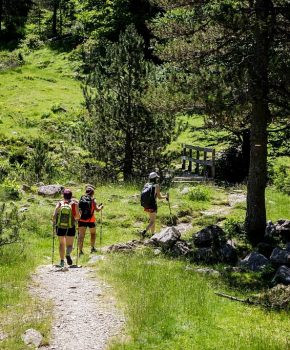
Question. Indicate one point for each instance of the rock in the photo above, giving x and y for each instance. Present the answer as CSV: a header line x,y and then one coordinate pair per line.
x,y
32,337
265,249
185,191
205,255
212,235
124,247
184,226
50,190
228,254
236,198
182,248
254,262
22,210
282,275
157,252
270,231
280,256
207,271
283,229
166,238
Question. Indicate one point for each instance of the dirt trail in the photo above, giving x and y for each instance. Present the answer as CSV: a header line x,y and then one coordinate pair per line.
x,y
85,313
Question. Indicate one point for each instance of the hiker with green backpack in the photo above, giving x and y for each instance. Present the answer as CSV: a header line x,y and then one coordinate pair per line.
x,y
88,206
65,215
150,193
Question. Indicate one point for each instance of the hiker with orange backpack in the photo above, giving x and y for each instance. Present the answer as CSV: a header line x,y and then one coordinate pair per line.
x,y
88,206
65,215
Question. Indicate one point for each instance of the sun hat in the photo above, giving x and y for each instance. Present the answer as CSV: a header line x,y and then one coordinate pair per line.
x,y
153,175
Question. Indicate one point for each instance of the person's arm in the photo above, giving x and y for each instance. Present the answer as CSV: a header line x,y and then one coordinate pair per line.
x,y
158,193
98,207
77,210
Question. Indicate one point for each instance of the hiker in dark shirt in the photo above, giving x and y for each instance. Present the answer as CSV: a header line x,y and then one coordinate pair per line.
x,y
152,210
88,206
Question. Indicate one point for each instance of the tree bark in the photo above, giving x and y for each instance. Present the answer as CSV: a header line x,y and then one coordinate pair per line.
x,y
128,163
1,15
54,18
256,208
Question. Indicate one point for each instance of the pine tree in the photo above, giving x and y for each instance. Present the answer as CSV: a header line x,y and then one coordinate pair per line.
x,y
13,15
121,131
231,54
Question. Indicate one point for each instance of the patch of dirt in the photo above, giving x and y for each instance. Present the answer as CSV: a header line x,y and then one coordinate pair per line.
x,y
85,312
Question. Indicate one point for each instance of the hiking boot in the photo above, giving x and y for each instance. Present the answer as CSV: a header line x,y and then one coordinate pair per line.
x,y
93,250
143,233
69,260
61,263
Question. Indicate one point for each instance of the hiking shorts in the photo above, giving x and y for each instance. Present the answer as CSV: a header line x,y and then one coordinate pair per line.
x,y
151,210
71,232
87,224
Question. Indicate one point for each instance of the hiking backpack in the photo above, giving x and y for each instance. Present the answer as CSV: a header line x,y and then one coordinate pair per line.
x,y
85,206
148,196
65,217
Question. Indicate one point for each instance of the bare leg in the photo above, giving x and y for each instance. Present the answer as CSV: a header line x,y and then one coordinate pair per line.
x,y
62,240
93,236
69,242
151,226
82,232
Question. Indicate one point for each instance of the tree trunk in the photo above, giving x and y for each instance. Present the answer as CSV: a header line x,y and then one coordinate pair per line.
x,y
256,208
128,163
54,18
1,15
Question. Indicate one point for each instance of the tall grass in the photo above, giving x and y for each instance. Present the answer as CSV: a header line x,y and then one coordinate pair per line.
x,y
171,307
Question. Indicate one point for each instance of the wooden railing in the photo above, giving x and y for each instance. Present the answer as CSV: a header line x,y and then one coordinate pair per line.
x,y
202,157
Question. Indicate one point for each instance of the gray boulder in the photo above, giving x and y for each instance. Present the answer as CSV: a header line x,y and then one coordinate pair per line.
x,y
50,190
282,275
182,248
283,229
32,337
280,256
228,254
254,262
124,247
211,236
205,255
166,238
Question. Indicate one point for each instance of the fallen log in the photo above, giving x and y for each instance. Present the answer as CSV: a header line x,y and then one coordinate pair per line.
x,y
245,301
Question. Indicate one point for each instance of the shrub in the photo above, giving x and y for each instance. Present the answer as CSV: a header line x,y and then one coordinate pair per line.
x,y
199,194
9,191
282,179
10,225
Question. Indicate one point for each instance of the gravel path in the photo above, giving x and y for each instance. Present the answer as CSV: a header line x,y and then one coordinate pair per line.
x,y
85,313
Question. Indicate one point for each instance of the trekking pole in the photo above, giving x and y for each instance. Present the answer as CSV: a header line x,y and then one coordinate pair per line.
x,y
53,238
101,228
77,260
170,212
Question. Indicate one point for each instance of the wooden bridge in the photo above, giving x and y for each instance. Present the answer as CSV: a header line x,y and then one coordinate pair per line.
x,y
198,164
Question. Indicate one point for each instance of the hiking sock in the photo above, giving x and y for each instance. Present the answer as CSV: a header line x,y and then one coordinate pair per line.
x,y
69,250
61,263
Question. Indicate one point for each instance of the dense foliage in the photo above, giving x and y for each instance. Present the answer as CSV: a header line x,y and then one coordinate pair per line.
x,y
232,57
122,131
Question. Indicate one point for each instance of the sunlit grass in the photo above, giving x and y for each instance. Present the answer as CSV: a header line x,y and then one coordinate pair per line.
x,y
171,307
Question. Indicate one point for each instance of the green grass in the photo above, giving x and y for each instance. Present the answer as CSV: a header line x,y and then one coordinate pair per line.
x,y
170,307
30,92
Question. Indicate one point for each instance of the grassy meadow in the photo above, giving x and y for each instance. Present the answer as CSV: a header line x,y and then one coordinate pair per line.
x,y
167,304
